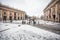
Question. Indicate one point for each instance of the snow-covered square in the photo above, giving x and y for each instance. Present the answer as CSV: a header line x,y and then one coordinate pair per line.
x,y
18,31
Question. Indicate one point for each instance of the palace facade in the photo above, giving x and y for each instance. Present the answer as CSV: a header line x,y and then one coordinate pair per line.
x,y
52,11
8,13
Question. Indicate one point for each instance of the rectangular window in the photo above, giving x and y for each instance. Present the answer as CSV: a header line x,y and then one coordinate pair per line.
x,y
53,10
4,13
14,18
18,18
21,18
59,6
14,13
10,13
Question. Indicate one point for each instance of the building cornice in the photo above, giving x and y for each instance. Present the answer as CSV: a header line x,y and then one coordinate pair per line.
x,y
53,2
9,8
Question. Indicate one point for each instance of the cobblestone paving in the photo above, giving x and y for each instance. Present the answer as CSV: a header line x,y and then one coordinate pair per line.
x,y
24,35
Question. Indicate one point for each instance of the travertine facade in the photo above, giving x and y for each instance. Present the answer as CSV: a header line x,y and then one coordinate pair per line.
x,y
52,11
8,13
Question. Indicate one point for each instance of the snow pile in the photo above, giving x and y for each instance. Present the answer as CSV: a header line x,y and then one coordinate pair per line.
x,y
17,21
26,32
6,26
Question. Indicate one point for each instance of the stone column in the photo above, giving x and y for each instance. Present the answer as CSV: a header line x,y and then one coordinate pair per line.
x,y
0,15
24,16
19,16
45,16
7,12
12,15
51,14
16,16
56,12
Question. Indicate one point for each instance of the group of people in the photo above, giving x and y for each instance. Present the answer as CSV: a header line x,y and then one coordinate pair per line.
x,y
24,22
29,22
8,20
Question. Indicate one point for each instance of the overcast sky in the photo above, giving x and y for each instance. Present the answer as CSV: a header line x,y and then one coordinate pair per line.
x,y
31,7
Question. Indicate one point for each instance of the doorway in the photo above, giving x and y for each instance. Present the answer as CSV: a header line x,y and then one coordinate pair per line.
x,y
4,18
54,17
10,17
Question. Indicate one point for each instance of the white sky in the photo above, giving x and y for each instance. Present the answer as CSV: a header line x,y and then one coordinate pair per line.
x,y
31,7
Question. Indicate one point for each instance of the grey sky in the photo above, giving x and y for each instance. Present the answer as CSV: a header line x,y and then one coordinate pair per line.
x,y
31,7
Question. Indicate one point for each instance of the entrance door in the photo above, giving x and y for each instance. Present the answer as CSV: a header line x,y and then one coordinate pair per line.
x,y
10,17
59,17
4,18
54,17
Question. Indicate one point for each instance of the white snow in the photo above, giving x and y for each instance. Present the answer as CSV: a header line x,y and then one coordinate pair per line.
x,y
8,25
46,22
17,31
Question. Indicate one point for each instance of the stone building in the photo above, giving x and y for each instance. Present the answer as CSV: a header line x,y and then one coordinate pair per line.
x,y
8,13
52,11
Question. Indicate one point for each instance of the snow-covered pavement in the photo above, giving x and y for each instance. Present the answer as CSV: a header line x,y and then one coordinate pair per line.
x,y
25,32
